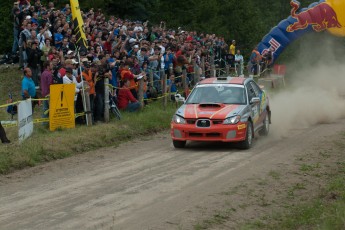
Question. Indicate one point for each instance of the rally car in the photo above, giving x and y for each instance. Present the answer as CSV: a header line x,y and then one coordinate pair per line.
x,y
226,109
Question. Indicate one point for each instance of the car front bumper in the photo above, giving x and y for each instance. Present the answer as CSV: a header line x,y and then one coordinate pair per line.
x,y
224,133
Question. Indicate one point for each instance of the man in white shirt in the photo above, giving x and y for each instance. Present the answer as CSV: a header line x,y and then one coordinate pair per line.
x,y
69,78
239,63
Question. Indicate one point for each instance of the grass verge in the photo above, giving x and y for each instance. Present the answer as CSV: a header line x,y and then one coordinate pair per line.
x,y
45,146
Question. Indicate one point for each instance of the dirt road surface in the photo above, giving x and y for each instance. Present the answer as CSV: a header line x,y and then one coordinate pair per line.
x,y
145,184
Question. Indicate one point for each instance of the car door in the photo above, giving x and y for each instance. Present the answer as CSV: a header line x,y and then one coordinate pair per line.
x,y
263,102
255,107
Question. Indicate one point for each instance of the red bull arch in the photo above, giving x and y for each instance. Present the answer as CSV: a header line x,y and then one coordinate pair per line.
x,y
319,16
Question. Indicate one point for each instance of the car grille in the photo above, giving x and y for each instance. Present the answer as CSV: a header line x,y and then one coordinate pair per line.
x,y
214,122
203,123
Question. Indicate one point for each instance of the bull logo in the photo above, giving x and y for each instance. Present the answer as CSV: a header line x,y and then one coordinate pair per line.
x,y
321,17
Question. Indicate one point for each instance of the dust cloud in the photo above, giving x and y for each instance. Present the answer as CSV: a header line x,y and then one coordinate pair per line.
x,y
315,91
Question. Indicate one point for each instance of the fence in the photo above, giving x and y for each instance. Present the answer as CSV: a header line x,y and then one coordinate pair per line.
x,y
188,79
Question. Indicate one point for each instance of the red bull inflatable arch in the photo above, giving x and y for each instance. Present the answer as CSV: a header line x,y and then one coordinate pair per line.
x,y
319,16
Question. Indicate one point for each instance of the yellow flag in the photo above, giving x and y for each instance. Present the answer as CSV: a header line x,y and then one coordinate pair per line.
x,y
78,25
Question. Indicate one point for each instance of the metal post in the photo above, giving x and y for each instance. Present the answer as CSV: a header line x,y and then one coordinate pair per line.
x,y
106,99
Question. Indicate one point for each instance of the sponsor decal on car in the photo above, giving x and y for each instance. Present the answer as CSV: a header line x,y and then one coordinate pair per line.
x,y
242,126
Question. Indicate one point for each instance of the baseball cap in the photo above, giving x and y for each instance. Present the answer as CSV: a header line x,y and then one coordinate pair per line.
x,y
62,72
74,61
136,47
69,52
84,60
28,17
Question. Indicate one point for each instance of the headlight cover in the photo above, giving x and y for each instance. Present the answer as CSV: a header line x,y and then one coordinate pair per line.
x,y
232,120
179,120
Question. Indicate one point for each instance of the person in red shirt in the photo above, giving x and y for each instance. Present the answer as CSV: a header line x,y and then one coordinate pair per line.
x,y
126,100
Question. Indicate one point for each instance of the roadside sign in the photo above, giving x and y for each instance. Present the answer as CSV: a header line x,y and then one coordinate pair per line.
x,y
25,121
61,106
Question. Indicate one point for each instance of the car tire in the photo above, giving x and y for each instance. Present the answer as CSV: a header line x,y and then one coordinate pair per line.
x,y
247,143
266,128
179,144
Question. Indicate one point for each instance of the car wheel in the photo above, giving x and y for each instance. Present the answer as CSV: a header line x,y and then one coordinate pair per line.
x,y
266,128
247,143
179,144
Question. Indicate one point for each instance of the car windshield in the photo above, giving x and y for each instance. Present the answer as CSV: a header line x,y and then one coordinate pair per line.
x,y
217,93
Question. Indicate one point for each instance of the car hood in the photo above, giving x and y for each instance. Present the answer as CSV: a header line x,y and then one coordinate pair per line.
x,y
209,111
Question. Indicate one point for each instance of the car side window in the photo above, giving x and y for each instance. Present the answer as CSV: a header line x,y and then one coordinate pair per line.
x,y
256,88
250,90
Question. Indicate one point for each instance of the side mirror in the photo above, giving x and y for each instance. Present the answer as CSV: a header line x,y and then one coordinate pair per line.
x,y
255,100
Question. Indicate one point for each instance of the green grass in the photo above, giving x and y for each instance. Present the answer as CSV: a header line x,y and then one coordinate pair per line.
x,y
45,146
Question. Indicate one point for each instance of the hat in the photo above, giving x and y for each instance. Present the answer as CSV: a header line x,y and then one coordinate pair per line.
x,y
74,61
69,52
62,72
136,47
69,70
132,40
28,17
84,60
127,75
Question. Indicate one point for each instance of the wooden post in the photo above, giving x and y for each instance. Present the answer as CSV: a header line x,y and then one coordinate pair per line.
x,y
141,92
87,108
171,68
227,70
203,66
196,73
106,99
184,82
151,78
213,68
164,89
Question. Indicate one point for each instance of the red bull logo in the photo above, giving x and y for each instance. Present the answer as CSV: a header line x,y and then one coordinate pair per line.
x,y
321,17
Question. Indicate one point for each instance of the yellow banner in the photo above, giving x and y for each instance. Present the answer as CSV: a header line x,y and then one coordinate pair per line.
x,y
78,25
61,106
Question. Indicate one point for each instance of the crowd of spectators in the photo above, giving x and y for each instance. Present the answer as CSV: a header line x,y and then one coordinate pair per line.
x,y
118,49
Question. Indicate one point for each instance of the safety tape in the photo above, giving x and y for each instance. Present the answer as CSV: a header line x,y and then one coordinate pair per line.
x,y
35,121
16,102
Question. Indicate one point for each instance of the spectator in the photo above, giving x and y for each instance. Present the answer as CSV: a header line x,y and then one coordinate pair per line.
x,y
34,58
58,37
46,81
101,72
16,27
255,59
69,78
88,75
239,63
28,87
24,36
3,136
126,100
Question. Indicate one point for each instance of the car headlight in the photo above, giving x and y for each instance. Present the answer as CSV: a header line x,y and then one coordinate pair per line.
x,y
232,120
179,120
